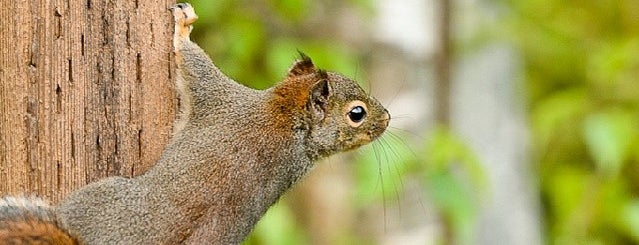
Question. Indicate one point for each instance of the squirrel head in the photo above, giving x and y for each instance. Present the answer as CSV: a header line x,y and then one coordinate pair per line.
x,y
334,112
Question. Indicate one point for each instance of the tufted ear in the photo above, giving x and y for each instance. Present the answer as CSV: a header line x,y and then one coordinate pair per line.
x,y
302,66
320,93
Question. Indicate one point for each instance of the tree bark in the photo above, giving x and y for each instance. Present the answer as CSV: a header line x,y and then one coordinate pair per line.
x,y
86,92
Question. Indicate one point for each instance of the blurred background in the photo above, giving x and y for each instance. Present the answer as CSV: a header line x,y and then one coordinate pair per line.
x,y
514,122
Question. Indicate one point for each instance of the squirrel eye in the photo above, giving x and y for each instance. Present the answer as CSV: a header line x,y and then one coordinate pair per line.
x,y
357,114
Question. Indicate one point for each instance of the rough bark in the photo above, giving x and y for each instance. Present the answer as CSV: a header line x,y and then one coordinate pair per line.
x,y
86,91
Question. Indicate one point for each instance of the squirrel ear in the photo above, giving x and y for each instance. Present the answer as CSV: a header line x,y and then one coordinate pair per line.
x,y
302,66
318,100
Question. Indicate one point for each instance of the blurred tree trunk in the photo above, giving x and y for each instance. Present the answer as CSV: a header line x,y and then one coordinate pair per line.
x,y
86,92
442,63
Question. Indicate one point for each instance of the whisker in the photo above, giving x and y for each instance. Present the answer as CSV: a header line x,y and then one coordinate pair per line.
x,y
397,156
397,172
381,183
405,131
391,136
401,140
368,83
403,116
416,160
357,78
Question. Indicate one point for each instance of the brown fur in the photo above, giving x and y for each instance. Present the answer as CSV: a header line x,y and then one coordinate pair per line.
x,y
29,220
33,231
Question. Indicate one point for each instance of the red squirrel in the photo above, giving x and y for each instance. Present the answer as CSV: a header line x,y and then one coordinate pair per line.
x,y
234,152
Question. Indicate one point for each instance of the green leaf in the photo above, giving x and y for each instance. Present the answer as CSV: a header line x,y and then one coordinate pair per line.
x,y
277,227
557,115
292,10
631,218
609,138
444,149
455,180
567,188
613,69
454,199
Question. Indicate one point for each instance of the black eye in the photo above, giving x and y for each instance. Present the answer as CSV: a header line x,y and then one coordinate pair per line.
x,y
357,114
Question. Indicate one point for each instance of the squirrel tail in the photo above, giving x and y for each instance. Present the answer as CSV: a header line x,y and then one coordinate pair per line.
x,y
29,220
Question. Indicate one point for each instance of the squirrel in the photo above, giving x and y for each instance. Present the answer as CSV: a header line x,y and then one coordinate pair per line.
x,y
234,151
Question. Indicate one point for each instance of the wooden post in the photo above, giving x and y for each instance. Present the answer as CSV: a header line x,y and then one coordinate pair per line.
x,y
86,92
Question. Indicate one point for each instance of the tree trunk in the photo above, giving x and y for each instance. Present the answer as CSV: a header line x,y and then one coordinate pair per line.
x,y
86,92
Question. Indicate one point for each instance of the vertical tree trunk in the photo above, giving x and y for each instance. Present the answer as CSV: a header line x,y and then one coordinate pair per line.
x,y
86,91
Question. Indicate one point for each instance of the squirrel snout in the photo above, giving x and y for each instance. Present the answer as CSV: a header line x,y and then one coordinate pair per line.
x,y
386,118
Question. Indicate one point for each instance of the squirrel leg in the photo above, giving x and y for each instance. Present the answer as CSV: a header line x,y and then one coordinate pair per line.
x,y
200,85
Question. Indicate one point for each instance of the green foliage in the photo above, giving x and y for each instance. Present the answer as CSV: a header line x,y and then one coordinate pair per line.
x,y
291,10
450,173
609,137
455,180
255,42
278,227
582,70
380,169
582,73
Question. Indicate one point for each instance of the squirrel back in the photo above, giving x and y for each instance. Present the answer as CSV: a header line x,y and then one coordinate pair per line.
x,y
30,221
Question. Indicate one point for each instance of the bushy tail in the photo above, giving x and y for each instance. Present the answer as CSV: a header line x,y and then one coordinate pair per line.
x,y
30,221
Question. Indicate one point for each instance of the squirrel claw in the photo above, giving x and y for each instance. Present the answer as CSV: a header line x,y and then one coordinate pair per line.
x,y
184,16
183,5
178,6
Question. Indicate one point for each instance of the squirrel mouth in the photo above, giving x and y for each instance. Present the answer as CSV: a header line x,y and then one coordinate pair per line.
x,y
378,129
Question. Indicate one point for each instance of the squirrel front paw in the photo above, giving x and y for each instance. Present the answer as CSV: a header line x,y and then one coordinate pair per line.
x,y
184,16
